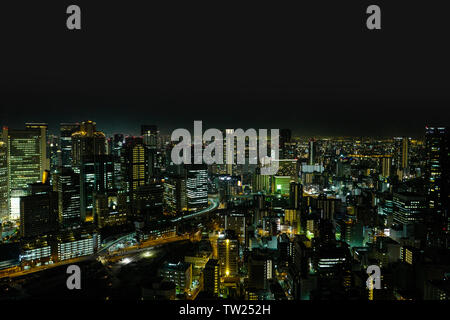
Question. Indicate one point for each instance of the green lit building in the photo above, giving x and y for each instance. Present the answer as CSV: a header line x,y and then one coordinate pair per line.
x,y
26,161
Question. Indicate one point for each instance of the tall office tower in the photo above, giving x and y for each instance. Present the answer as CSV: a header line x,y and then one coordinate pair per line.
x,y
405,152
117,144
285,138
295,195
4,211
42,127
38,211
65,143
409,208
229,167
53,153
438,177
68,187
150,136
87,142
175,195
197,186
211,277
26,162
133,168
96,175
312,152
228,252
386,165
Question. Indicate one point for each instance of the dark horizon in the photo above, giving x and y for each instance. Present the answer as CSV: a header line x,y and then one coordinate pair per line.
x,y
315,69
305,117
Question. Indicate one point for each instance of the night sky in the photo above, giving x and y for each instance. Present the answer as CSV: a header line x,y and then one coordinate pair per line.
x,y
314,68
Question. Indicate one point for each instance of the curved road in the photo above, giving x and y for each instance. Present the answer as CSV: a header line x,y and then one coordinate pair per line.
x,y
214,204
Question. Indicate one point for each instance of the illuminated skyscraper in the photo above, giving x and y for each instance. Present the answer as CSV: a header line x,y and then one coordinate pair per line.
x,y
409,208
228,251
26,161
42,127
96,175
438,178
175,195
4,211
133,166
197,186
65,144
68,187
405,153
117,144
386,165
312,152
150,137
295,195
87,142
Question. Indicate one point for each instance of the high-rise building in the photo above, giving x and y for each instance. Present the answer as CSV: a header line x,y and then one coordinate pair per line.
x,y
38,211
68,187
150,137
87,142
53,153
4,210
211,277
386,166
228,253
26,161
96,175
116,151
312,158
438,178
405,153
409,208
133,169
42,127
65,143
175,195
197,186
295,195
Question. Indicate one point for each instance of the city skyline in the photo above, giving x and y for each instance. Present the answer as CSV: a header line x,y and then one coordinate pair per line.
x,y
336,188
